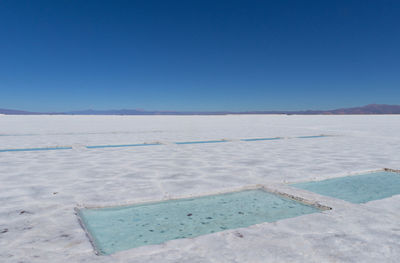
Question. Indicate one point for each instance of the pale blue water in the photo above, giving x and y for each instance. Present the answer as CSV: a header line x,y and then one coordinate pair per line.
x,y
195,142
357,188
120,228
121,145
35,149
261,139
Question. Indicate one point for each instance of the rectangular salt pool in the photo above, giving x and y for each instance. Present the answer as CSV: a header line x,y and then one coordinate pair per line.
x,y
357,188
200,142
121,145
261,139
124,227
35,149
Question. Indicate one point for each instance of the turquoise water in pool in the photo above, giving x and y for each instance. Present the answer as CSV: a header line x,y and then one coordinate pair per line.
x,y
121,145
35,149
120,228
357,188
199,142
261,139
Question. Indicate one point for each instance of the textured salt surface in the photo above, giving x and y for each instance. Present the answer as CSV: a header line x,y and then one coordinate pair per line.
x,y
120,228
310,137
38,191
357,188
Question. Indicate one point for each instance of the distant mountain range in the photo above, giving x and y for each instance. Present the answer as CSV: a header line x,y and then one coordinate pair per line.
x,y
368,109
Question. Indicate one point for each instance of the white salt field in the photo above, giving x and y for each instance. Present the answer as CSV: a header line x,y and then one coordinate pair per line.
x,y
39,190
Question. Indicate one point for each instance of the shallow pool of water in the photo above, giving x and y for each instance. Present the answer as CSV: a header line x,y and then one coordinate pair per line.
x,y
120,228
121,145
360,188
261,139
35,149
199,142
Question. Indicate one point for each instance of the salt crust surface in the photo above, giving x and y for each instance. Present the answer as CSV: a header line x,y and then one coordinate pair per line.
x,y
39,190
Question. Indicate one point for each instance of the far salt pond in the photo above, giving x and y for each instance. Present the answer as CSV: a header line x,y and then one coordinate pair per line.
x,y
200,142
357,189
35,149
119,228
261,139
121,145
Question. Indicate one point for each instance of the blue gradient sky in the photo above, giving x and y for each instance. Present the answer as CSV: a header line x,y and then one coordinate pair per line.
x,y
198,55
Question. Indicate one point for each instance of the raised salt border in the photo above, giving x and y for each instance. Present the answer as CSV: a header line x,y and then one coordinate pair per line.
x,y
360,188
114,229
39,190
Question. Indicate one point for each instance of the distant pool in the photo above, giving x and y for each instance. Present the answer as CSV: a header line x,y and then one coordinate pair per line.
x,y
195,142
121,145
120,228
261,139
35,149
357,188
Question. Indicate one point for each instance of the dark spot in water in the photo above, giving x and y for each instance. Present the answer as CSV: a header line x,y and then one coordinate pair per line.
x,y
54,193
64,235
140,235
182,224
240,213
209,217
5,230
151,230
189,214
162,231
165,217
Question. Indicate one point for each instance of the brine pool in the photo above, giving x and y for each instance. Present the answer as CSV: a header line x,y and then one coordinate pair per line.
x,y
360,188
124,227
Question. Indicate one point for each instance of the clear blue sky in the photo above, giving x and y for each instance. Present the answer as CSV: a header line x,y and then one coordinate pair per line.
x,y
198,55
